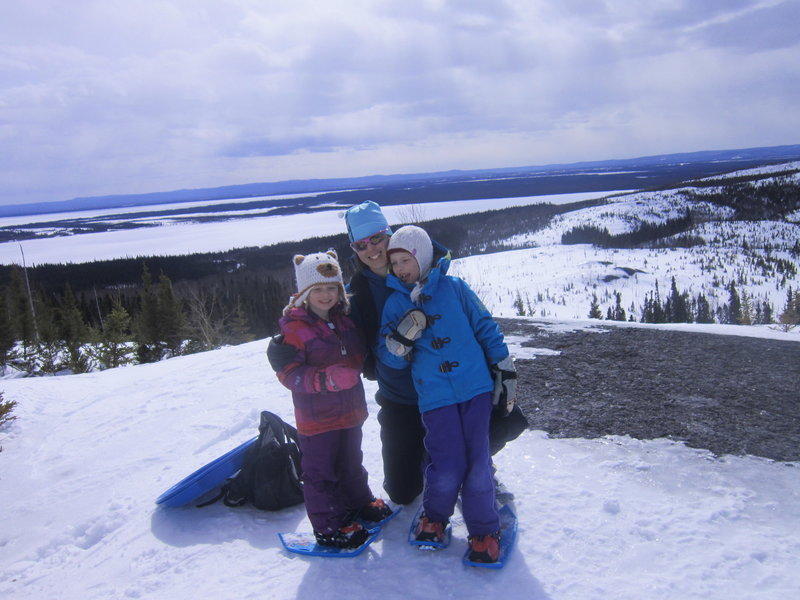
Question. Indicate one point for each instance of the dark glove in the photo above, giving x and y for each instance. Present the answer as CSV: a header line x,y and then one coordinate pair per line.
x,y
279,354
505,385
369,370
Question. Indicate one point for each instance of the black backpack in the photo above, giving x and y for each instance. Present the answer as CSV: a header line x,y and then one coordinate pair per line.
x,y
271,475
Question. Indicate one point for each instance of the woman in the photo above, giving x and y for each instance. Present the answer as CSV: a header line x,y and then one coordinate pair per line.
x,y
399,417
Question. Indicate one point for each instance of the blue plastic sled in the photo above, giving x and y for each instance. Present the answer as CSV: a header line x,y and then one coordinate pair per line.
x,y
206,478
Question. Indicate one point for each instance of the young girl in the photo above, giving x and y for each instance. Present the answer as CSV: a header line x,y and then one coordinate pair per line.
x,y
329,403
450,361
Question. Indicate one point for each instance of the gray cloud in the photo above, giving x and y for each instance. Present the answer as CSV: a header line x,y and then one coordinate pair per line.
x,y
764,28
108,98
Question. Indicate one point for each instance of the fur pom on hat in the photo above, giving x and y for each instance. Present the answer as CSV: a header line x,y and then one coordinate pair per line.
x,y
316,269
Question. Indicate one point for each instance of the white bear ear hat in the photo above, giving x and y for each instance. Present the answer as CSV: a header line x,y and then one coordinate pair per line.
x,y
316,269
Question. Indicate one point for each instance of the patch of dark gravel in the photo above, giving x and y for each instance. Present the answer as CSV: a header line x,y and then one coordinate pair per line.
x,y
727,394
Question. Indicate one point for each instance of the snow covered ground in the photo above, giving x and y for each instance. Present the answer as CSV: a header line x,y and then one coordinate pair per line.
x,y
604,518
617,518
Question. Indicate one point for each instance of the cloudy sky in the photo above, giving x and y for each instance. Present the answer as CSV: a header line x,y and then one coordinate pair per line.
x,y
114,96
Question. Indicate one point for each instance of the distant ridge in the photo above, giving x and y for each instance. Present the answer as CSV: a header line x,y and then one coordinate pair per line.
x,y
728,160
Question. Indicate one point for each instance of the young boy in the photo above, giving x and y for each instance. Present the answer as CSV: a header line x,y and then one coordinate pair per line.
x,y
450,344
329,403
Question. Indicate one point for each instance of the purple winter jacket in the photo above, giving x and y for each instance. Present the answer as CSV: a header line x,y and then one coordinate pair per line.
x,y
323,402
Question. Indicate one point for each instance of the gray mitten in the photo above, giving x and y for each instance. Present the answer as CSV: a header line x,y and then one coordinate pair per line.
x,y
505,385
408,330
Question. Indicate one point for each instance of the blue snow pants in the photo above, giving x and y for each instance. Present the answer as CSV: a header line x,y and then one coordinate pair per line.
x,y
457,441
334,480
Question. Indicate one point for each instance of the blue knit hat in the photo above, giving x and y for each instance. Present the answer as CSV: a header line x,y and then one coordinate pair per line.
x,y
364,220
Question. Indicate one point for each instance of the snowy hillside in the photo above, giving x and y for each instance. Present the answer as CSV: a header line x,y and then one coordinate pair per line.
x,y
552,280
605,518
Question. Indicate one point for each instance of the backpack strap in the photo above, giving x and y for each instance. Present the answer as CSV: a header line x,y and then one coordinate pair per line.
x,y
286,435
273,422
216,498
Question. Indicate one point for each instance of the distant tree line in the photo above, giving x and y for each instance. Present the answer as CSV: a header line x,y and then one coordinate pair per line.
x,y
681,307
105,314
645,233
44,333
770,199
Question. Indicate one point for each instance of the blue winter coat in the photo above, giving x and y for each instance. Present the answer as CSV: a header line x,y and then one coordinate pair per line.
x,y
451,360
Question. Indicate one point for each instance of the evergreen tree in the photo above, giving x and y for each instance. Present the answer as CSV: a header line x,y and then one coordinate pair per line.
x,y
647,309
594,308
6,408
240,328
73,332
658,308
160,328
618,314
21,315
703,310
50,347
678,306
747,310
791,314
113,349
146,328
734,316
7,338
171,320
653,311
519,306
767,315
758,318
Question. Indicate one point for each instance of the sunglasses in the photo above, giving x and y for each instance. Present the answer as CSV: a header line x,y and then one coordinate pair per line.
x,y
373,240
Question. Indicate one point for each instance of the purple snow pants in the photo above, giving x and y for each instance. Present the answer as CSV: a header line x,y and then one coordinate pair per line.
x,y
334,480
457,441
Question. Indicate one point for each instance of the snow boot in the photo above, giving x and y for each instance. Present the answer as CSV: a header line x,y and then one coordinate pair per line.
x,y
376,511
351,535
484,548
430,531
